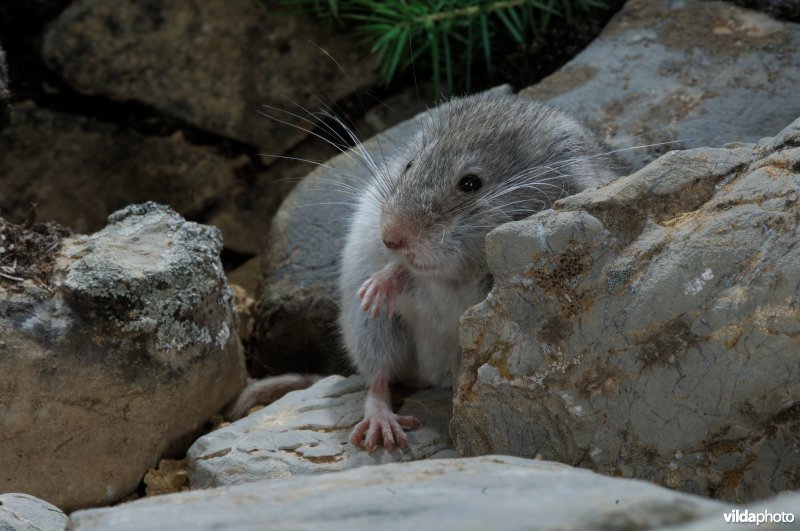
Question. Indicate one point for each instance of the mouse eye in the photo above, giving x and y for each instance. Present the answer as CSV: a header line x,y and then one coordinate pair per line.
x,y
408,166
470,183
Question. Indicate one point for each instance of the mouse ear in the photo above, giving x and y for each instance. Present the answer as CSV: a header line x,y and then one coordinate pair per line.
x,y
501,90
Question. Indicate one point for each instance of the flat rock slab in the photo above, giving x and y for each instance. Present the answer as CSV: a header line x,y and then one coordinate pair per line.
x,y
307,432
702,73
502,493
214,67
649,328
22,512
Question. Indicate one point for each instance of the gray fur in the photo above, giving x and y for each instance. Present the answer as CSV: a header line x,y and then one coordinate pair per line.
x,y
527,155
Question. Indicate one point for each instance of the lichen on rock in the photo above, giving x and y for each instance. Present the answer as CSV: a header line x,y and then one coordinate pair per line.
x,y
120,361
138,264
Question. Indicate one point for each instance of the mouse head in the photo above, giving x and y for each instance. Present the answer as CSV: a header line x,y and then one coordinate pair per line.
x,y
478,162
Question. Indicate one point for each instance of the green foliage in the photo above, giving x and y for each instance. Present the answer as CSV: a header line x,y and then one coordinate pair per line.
x,y
444,36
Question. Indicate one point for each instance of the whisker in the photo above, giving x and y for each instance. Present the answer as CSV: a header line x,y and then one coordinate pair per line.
x,y
307,131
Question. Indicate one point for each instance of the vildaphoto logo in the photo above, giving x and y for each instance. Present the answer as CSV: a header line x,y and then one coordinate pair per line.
x,y
745,516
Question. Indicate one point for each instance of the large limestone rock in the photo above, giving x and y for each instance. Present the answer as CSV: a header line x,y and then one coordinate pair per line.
x,y
307,432
649,328
78,171
21,512
213,66
121,357
502,493
702,73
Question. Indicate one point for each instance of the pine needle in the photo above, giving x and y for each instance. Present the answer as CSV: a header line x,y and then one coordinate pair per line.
x,y
447,36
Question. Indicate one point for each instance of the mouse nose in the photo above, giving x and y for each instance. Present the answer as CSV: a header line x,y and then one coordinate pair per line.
x,y
394,240
394,243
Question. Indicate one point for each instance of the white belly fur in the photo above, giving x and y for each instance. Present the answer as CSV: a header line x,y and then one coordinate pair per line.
x,y
431,309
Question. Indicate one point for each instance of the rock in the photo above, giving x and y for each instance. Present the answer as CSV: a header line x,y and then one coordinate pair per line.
x,y
697,72
503,493
169,477
94,168
120,360
5,95
649,328
216,67
246,276
22,512
307,432
78,171
245,310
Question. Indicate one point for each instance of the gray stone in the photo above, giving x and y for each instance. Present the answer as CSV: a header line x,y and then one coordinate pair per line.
x,y
22,512
494,492
246,275
307,432
649,328
78,171
120,359
697,72
215,67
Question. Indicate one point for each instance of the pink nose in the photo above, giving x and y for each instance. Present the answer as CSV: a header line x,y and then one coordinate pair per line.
x,y
394,243
394,240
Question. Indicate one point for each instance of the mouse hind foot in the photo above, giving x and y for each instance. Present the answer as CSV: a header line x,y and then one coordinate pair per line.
x,y
385,427
380,423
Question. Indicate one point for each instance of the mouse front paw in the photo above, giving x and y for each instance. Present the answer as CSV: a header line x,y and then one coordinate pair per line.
x,y
381,289
386,427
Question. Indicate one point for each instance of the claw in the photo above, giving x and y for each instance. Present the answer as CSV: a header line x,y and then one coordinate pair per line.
x,y
383,428
381,289
380,424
